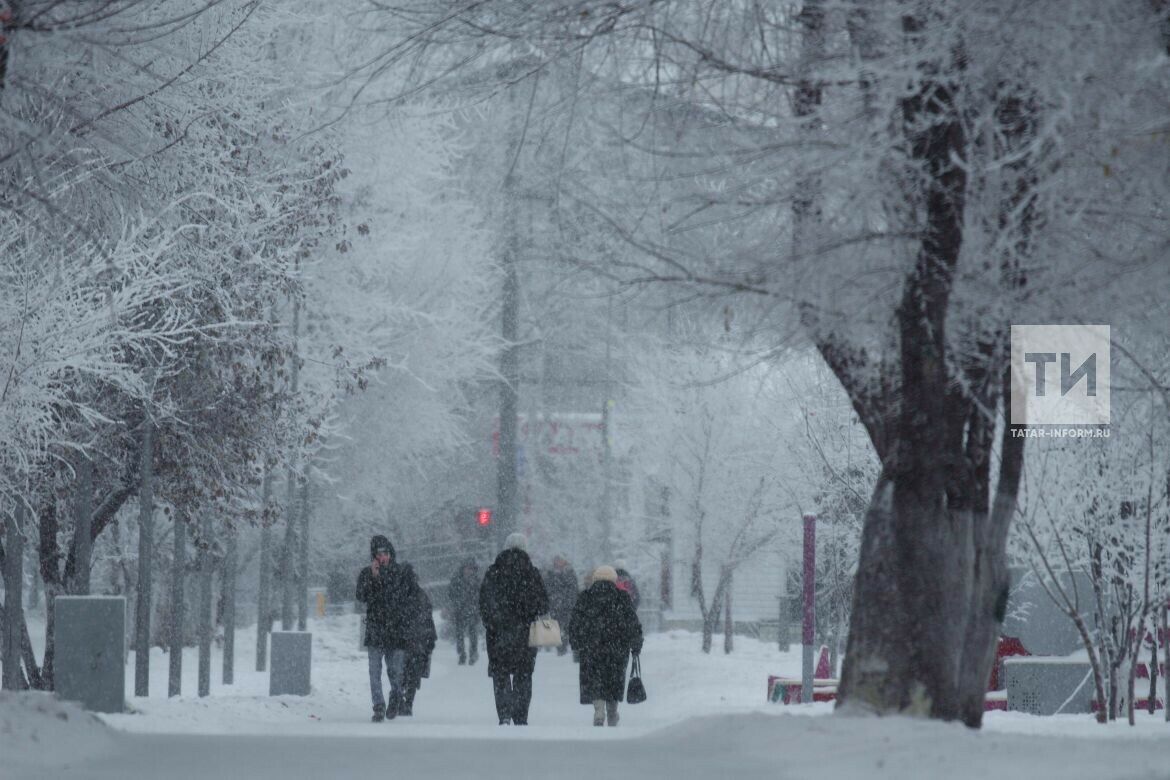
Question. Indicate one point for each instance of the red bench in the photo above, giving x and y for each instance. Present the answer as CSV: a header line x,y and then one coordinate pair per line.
x,y
789,690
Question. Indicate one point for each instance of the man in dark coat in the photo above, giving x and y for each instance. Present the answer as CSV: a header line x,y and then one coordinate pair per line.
x,y
463,595
511,597
420,643
390,602
561,583
605,632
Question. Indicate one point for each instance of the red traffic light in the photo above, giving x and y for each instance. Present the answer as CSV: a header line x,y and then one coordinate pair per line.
x,y
483,517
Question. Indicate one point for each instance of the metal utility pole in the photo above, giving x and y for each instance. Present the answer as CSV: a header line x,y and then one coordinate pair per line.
x,y
288,580
507,480
605,544
507,494
809,618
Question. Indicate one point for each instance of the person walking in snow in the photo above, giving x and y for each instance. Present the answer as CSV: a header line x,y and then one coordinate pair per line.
x,y
390,602
462,596
626,583
561,583
605,631
511,597
420,642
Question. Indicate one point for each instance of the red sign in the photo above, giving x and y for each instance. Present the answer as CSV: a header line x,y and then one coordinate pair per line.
x,y
484,517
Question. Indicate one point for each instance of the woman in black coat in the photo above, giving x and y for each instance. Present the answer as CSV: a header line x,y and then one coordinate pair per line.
x,y
604,632
511,597
420,642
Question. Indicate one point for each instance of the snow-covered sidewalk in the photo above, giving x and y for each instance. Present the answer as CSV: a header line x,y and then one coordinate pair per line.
x,y
706,717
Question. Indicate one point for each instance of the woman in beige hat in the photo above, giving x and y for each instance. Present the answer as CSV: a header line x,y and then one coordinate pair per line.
x,y
604,631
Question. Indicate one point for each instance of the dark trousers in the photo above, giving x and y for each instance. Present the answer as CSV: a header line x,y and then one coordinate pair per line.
x,y
513,695
466,625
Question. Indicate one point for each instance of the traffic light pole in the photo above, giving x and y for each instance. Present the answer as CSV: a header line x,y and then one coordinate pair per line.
x,y
507,482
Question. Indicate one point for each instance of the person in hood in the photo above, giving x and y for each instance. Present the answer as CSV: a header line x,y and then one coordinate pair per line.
x,y
605,631
511,597
462,595
561,583
420,642
626,584
391,602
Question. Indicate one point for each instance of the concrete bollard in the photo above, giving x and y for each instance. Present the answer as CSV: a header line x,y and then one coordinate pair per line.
x,y
290,663
89,633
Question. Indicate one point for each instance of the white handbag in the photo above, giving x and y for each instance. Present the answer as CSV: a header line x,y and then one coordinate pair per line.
x,y
544,632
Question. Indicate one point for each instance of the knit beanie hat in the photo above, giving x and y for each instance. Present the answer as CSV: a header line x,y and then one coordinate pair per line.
x,y
604,574
516,541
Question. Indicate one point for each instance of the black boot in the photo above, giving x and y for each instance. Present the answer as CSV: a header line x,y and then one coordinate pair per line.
x,y
379,714
407,708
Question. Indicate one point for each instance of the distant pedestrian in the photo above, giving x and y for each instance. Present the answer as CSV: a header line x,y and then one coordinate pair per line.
x,y
390,601
605,632
420,642
626,584
561,583
462,597
511,597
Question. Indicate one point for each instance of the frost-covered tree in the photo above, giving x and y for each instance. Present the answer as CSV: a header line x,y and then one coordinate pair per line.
x,y
1096,511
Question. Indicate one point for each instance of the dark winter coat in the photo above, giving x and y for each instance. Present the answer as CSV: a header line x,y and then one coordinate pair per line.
x,y
511,597
626,583
391,602
463,595
420,641
604,631
562,594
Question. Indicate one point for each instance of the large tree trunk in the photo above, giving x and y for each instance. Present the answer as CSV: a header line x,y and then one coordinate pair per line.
x,y
51,576
990,578
13,678
34,593
914,581
145,563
